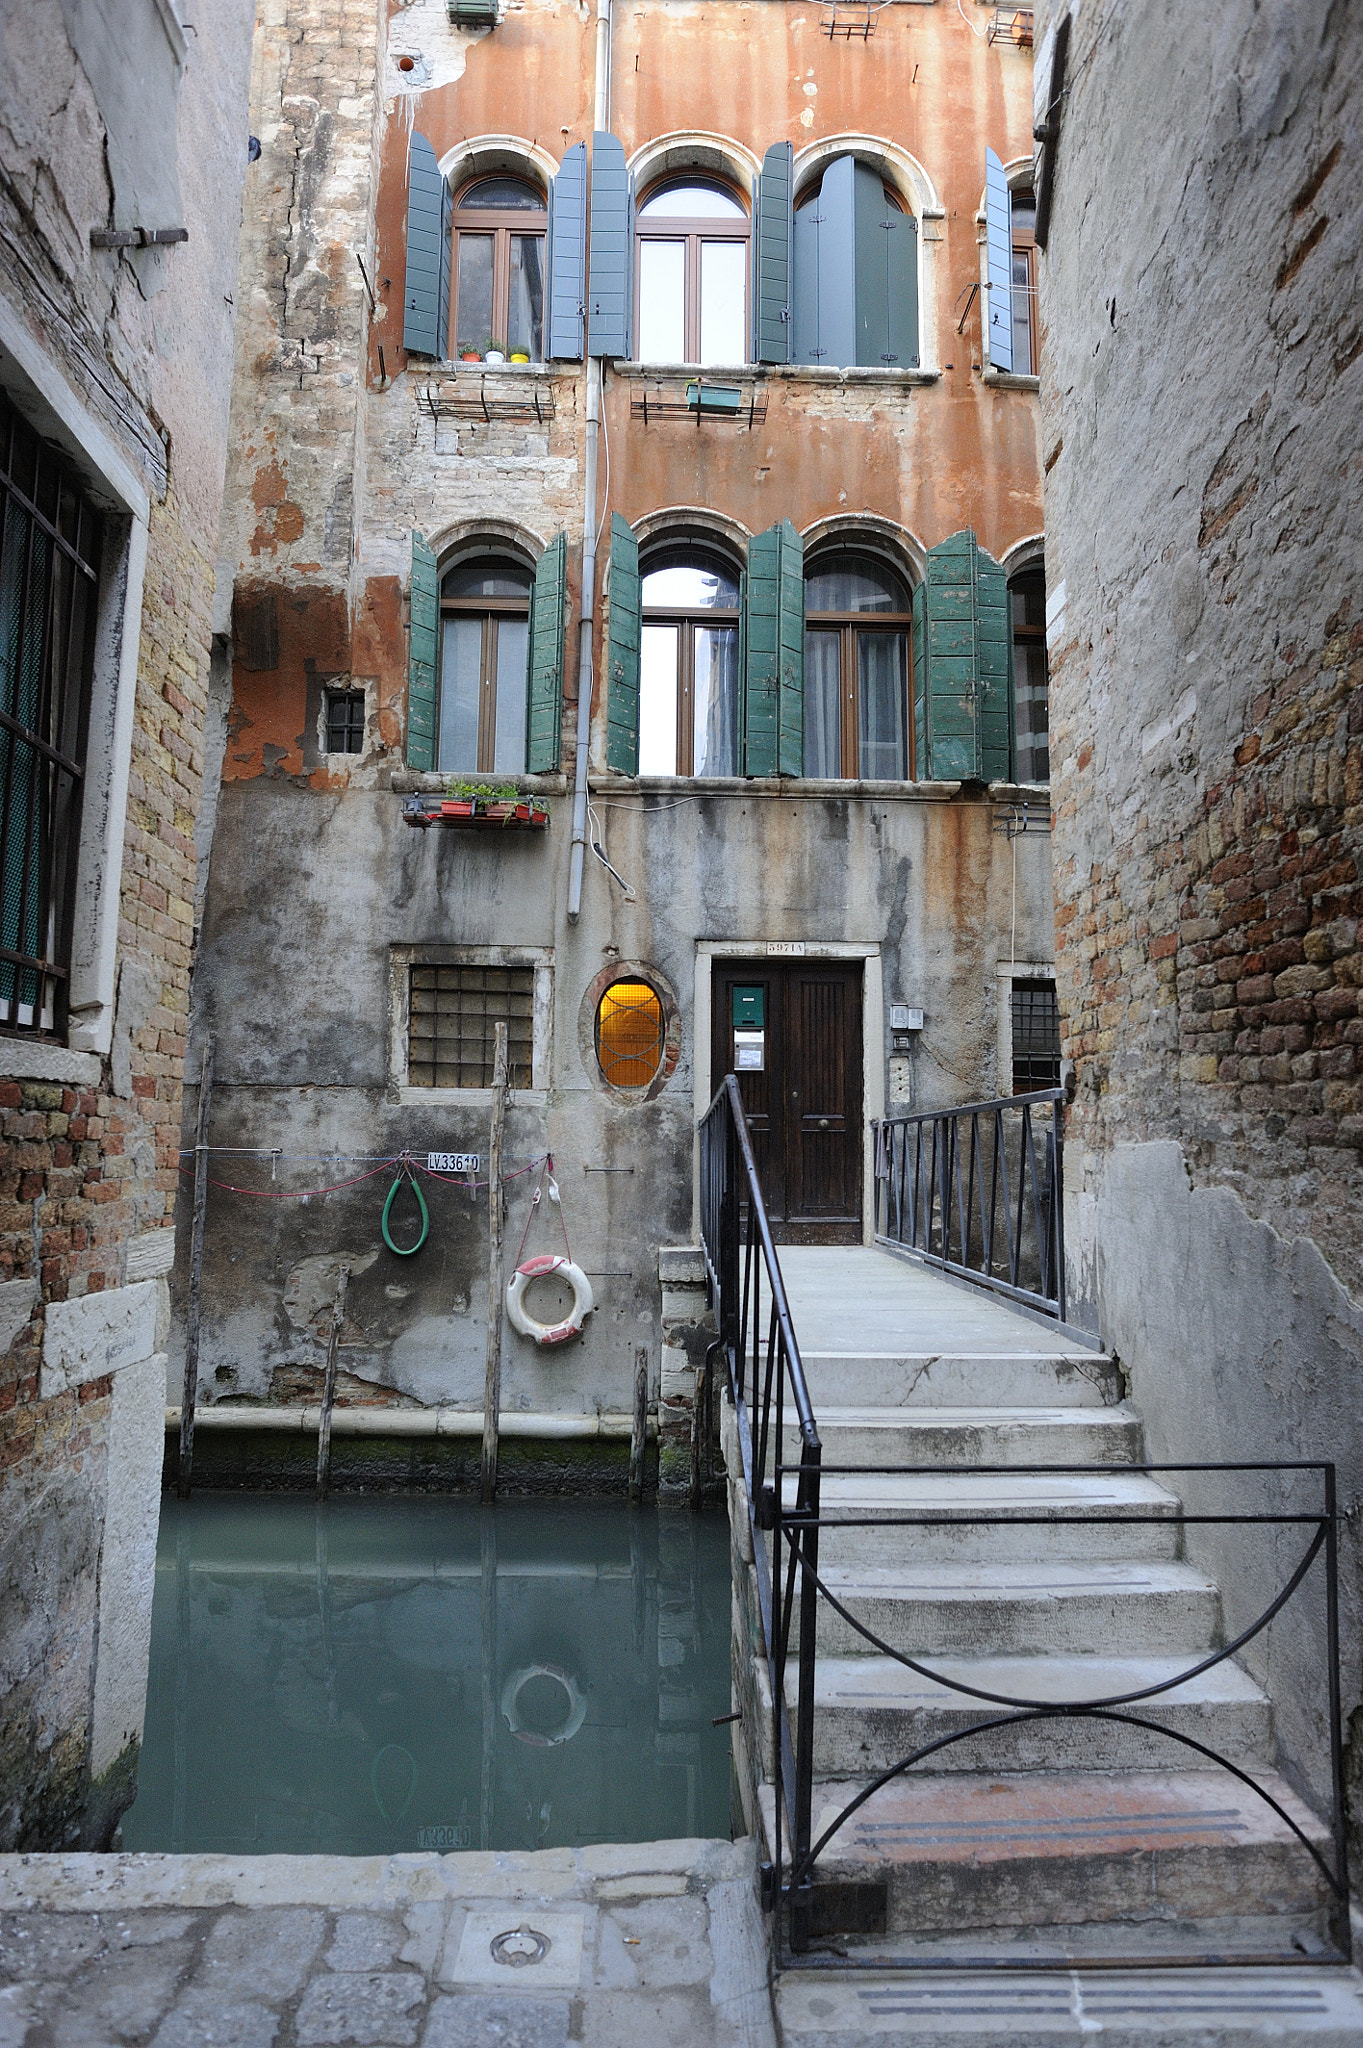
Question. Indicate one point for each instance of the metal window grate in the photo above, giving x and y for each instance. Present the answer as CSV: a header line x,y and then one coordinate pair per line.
x,y
50,541
345,721
630,1034
453,1015
1036,1036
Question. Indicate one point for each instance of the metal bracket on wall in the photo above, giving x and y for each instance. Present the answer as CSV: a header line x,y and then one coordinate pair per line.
x,y
1023,817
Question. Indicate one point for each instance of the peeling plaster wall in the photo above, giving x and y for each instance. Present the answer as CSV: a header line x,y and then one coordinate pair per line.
x,y
1201,404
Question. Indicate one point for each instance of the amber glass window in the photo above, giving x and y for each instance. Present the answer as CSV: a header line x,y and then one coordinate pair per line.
x,y
688,668
484,630
1027,602
857,621
1024,285
692,274
630,1030
499,231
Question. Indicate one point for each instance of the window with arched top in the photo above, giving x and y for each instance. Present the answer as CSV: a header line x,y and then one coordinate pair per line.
x,y
1023,226
631,1034
500,224
858,614
484,633
691,273
1031,679
689,687
855,293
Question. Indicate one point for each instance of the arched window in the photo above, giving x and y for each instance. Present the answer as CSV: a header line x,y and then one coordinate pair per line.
x,y
692,271
1023,212
499,229
856,273
1027,606
484,630
857,619
631,1032
688,670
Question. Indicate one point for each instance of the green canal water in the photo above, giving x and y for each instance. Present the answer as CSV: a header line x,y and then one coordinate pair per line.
x,y
390,1674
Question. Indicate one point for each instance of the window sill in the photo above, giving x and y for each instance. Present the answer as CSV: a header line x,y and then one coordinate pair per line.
x,y
810,373
453,367
1005,380
796,788
468,1098
41,1060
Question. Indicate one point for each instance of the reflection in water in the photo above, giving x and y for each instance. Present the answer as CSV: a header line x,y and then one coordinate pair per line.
x,y
391,1674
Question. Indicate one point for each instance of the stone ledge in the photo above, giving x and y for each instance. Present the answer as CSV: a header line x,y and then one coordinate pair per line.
x,y
20,1061
98,1334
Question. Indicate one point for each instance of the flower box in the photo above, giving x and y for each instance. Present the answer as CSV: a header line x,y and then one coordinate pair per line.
x,y
523,814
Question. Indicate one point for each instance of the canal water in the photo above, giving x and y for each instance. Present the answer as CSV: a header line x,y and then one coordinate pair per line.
x,y
390,1674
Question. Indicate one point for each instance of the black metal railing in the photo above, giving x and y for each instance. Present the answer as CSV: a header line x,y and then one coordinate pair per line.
x,y
784,1473
979,1191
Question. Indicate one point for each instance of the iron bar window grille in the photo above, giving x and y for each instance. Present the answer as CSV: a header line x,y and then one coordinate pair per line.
x,y
345,721
783,1472
1036,1036
50,541
453,1019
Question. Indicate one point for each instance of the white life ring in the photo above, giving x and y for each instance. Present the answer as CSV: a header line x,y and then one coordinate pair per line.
x,y
584,1301
574,1710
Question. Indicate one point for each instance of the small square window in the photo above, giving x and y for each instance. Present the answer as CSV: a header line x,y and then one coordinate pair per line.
x,y
1036,1036
454,1015
345,721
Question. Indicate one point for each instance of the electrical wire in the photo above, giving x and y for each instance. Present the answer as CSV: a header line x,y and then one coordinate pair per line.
x,y
968,22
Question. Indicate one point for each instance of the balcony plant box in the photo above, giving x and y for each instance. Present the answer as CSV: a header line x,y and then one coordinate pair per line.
x,y
474,807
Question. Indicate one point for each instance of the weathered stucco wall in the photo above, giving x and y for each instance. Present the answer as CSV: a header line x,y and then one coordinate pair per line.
x,y
1201,401
125,358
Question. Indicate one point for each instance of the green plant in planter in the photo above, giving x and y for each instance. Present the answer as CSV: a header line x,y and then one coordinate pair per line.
x,y
483,792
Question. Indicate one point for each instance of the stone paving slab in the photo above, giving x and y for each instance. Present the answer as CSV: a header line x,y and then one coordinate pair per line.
x,y
653,1943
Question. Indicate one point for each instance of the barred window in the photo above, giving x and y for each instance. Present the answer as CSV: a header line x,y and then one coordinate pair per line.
x,y
454,1014
630,1034
1036,1036
345,721
50,539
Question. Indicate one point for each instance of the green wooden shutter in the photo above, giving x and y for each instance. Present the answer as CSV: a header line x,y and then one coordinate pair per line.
x,y
962,665
426,293
568,256
421,656
773,253
774,654
901,236
544,660
622,651
998,217
610,284
994,669
804,310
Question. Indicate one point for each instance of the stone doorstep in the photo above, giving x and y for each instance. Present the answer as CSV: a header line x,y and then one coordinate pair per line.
x,y
1050,1850
975,1436
1126,2008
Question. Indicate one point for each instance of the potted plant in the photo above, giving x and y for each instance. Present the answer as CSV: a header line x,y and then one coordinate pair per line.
x,y
495,352
497,803
469,354
520,355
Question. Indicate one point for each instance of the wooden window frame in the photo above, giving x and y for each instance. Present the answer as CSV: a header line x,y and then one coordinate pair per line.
x,y
686,623
1024,246
491,610
847,625
693,230
1034,636
501,223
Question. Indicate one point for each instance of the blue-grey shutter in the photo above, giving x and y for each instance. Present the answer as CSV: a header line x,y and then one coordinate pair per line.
x,y
773,255
825,271
886,277
624,632
901,259
610,294
774,654
422,656
568,256
962,703
544,660
426,293
998,219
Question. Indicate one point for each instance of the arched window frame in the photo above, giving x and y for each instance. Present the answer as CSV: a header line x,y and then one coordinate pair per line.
x,y
501,225
494,689
1022,251
849,626
694,231
917,196
672,550
1025,567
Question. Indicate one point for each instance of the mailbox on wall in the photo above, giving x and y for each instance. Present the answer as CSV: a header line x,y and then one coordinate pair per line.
x,y
749,1009
750,1034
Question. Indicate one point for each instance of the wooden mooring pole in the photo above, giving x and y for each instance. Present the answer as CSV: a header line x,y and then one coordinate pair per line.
x,y
329,1384
492,1383
639,1433
190,1395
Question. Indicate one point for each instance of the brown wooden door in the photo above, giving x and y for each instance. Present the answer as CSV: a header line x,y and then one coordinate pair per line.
x,y
804,1107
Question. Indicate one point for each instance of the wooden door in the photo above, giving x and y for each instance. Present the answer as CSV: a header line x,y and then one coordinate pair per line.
x,y
804,1107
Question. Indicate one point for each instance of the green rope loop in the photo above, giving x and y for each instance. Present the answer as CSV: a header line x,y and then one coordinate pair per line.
x,y
406,1251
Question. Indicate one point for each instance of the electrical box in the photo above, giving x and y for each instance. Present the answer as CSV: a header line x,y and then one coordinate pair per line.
x,y
749,1009
902,1018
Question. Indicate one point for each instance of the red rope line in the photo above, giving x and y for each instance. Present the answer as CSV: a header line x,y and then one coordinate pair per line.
x,y
304,1194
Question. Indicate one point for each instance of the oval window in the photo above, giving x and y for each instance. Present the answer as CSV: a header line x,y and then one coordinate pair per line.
x,y
630,1030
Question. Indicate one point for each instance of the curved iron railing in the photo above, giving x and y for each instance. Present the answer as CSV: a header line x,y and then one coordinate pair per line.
x,y
758,1342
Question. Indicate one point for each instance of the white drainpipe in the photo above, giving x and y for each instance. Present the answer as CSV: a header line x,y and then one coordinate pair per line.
x,y
587,630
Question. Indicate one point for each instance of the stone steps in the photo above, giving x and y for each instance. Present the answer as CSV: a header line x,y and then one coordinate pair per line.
x,y
1147,1606
962,1537
869,1712
976,1436
961,1379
